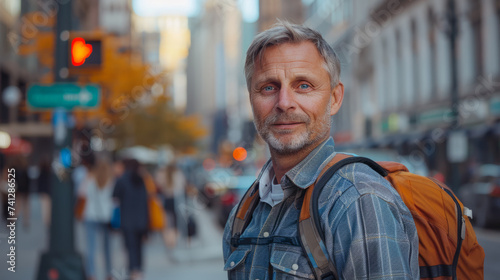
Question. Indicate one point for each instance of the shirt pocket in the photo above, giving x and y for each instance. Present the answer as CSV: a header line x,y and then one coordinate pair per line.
x,y
288,262
235,264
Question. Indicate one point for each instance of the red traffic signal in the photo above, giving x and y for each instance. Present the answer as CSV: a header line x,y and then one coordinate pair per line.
x,y
85,53
80,51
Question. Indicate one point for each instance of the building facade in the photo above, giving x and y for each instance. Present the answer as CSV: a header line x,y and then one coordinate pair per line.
x,y
397,70
270,10
216,88
14,70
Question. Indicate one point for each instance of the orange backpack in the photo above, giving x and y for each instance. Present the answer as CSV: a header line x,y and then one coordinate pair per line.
x,y
448,247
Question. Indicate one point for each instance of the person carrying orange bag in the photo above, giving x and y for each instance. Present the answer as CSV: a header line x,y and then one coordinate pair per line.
x,y
156,214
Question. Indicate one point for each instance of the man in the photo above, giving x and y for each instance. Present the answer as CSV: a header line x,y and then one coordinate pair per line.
x,y
293,79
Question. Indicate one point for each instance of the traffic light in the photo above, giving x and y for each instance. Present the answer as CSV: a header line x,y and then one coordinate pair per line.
x,y
85,52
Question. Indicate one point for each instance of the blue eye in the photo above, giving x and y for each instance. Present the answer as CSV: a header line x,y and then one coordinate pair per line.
x,y
268,88
304,86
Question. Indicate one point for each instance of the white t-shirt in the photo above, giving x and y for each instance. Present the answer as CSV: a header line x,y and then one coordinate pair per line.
x,y
269,190
99,202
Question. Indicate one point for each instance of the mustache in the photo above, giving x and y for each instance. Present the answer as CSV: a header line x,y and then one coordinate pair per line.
x,y
283,117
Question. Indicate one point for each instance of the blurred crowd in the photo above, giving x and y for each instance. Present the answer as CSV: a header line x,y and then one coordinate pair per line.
x,y
118,196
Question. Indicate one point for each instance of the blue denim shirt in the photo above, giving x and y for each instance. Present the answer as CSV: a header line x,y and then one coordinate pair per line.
x,y
369,232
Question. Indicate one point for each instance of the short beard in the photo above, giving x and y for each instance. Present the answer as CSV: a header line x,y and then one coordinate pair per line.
x,y
300,141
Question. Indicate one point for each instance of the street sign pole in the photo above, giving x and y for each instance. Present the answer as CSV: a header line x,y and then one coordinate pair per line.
x,y
454,173
61,262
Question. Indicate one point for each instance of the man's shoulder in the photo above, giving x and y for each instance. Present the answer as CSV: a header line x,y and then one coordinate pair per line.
x,y
355,180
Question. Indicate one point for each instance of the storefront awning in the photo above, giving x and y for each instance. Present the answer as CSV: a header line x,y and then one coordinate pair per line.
x,y
17,146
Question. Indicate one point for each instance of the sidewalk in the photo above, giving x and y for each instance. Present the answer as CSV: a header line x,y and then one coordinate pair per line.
x,y
203,259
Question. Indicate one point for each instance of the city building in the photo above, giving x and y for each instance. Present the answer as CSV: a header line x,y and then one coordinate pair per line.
x,y
15,70
397,70
270,10
216,88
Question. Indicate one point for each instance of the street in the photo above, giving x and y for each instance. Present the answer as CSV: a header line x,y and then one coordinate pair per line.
x,y
490,241
202,259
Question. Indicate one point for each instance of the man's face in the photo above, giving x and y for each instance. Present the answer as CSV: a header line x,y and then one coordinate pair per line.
x,y
291,97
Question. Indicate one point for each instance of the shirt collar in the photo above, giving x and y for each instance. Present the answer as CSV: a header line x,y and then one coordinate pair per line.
x,y
307,171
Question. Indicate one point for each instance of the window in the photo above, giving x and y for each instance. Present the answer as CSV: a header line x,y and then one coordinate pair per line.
x,y
384,94
415,62
498,28
476,24
400,91
432,52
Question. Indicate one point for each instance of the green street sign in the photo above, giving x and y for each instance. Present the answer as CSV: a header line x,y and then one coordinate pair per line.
x,y
495,106
63,95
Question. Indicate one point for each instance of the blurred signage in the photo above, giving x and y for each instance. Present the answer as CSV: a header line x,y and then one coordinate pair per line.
x,y
64,95
396,122
434,116
495,106
17,146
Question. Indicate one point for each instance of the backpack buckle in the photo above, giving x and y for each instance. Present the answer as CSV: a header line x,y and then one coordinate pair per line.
x,y
468,212
328,276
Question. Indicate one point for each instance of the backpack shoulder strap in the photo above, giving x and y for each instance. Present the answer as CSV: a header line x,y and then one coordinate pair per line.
x,y
311,234
244,213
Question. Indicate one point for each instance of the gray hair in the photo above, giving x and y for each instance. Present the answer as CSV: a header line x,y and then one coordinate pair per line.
x,y
285,32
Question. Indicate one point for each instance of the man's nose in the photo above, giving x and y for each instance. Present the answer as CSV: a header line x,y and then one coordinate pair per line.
x,y
286,99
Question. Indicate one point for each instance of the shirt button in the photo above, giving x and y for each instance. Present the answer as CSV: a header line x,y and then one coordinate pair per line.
x,y
231,264
266,234
295,266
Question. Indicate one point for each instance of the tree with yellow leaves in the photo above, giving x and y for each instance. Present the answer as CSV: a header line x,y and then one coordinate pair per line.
x,y
126,83
158,124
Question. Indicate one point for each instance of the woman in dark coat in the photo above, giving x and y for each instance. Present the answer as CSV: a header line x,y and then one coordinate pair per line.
x,y
131,193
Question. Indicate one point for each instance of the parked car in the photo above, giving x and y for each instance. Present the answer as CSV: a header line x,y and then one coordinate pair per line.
x,y
482,195
232,196
217,181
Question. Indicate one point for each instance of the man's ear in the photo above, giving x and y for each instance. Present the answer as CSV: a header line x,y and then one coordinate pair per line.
x,y
337,97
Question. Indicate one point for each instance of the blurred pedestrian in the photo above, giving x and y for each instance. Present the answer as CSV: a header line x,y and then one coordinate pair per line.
x,y
43,185
97,190
471,172
4,187
171,182
118,168
190,225
80,172
20,165
130,191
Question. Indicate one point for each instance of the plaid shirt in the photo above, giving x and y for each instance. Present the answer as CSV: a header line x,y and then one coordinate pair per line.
x,y
371,233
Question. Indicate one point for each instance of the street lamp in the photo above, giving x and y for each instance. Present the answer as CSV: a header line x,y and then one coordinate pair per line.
x,y
457,140
61,261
